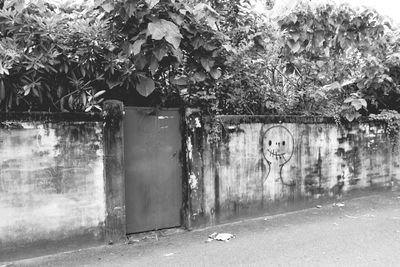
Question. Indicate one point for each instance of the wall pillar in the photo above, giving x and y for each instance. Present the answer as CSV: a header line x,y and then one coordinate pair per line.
x,y
115,224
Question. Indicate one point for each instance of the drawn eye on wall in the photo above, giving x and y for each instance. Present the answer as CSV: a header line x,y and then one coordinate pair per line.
x,y
277,149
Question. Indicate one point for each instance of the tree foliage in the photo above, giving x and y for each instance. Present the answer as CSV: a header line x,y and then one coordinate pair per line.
x,y
168,48
50,59
66,59
217,54
342,51
322,60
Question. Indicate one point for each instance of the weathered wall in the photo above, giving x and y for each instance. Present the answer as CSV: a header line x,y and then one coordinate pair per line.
x,y
52,183
255,165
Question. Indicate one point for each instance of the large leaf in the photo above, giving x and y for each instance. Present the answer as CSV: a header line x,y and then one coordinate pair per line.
x,y
145,86
230,48
199,76
130,7
359,103
153,65
204,12
2,91
135,49
3,70
178,54
198,42
165,29
108,7
174,40
332,86
319,38
294,46
18,5
177,18
160,52
140,61
71,102
59,91
152,3
156,30
215,73
352,115
179,81
111,84
207,63
295,36
99,93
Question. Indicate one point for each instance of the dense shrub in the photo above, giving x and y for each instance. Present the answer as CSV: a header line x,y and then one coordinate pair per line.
x,y
219,55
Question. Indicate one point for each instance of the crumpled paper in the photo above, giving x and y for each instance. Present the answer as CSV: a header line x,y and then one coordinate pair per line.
x,y
338,204
220,237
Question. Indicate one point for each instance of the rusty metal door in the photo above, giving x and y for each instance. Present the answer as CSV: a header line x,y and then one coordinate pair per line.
x,y
153,171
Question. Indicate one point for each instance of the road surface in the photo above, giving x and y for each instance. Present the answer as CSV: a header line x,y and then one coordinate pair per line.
x,y
363,232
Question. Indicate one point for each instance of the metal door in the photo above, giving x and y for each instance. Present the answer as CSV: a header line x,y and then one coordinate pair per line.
x,y
153,171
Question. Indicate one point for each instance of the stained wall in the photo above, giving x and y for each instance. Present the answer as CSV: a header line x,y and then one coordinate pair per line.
x,y
52,185
247,166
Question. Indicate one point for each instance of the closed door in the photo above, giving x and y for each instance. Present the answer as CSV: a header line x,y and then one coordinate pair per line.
x,y
153,171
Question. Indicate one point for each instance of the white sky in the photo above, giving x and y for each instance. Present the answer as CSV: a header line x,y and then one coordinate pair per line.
x,y
390,8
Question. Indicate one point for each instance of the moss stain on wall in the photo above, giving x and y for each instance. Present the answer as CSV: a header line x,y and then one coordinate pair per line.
x,y
51,182
257,169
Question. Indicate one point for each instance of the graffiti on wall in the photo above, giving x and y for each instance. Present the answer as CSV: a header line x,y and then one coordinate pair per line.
x,y
277,144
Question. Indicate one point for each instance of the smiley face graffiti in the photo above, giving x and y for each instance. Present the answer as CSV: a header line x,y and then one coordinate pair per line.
x,y
277,149
278,145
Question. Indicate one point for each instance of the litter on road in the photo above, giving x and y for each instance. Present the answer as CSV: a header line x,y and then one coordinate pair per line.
x,y
220,237
133,241
338,205
168,254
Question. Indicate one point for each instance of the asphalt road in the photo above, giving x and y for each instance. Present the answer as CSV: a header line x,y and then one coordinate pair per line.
x,y
365,232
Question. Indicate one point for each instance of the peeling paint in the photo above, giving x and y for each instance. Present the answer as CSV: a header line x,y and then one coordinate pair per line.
x,y
165,117
193,182
189,148
197,122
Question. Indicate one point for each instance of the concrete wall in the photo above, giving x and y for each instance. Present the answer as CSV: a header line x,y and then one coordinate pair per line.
x,y
51,182
61,186
245,166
